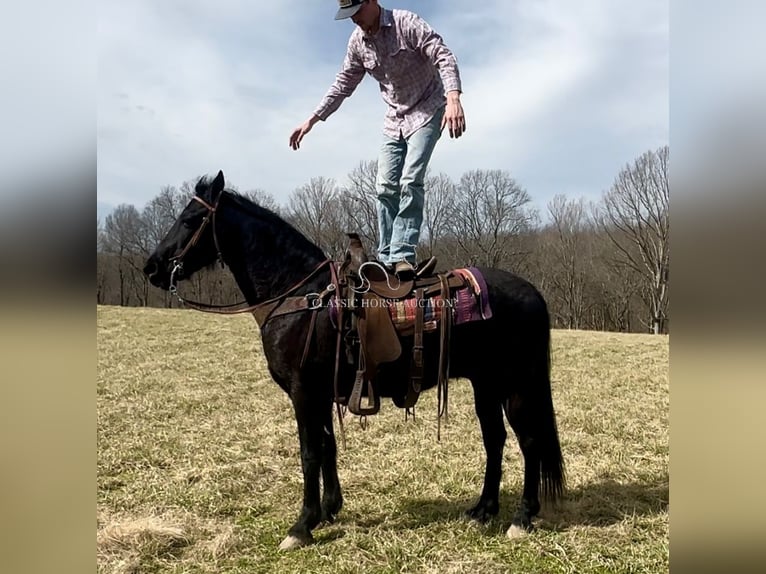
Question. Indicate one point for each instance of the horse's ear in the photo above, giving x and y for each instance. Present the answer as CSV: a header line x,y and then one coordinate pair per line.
x,y
218,184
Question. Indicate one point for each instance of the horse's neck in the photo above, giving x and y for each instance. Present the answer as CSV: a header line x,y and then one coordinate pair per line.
x,y
263,274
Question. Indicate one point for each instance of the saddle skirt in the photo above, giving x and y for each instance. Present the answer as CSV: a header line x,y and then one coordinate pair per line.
x,y
469,303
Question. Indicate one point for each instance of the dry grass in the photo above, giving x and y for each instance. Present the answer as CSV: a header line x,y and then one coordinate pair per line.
x,y
198,467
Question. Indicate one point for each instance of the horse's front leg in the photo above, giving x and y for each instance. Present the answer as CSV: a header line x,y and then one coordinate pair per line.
x,y
309,416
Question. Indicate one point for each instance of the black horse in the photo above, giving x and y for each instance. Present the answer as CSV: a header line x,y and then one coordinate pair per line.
x,y
506,357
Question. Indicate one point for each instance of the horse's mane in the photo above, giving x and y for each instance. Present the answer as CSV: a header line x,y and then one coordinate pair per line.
x,y
254,208
267,216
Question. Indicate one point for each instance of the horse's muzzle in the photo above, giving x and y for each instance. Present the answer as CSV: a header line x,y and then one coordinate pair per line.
x,y
150,269
152,272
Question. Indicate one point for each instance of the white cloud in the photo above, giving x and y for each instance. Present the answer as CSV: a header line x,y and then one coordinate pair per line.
x,y
550,86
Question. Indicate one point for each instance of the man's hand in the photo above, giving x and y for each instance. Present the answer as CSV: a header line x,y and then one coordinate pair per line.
x,y
454,117
302,130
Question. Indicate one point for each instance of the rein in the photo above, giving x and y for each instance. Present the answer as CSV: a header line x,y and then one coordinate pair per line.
x,y
282,304
267,309
234,308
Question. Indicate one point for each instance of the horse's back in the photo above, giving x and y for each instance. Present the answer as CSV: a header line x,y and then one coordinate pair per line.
x,y
517,332
513,293
515,302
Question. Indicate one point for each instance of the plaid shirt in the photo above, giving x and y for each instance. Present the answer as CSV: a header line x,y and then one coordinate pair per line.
x,y
410,62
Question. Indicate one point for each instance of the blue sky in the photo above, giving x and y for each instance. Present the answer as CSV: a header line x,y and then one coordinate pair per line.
x,y
561,94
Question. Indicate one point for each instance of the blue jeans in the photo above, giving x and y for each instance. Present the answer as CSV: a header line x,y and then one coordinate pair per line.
x,y
402,165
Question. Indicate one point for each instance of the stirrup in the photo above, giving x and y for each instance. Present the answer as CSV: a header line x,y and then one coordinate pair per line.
x,y
355,402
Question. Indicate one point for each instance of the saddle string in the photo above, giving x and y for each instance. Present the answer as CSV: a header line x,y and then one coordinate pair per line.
x,y
443,376
335,282
366,284
318,298
339,409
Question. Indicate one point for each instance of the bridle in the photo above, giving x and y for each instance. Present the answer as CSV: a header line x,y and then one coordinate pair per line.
x,y
177,261
282,304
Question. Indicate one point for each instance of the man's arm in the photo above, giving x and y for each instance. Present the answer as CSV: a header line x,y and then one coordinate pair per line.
x,y
425,39
297,136
454,116
344,85
351,73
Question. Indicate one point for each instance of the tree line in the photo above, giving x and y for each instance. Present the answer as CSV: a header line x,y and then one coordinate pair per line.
x,y
601,265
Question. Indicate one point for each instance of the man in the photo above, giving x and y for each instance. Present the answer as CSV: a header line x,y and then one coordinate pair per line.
x,y
420,82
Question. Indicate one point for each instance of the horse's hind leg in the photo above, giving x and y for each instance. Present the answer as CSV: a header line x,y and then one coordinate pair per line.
x,y
490,413
332,499
520,420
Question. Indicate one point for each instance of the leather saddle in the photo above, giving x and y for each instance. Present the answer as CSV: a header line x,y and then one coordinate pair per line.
x,y
375,277
371,288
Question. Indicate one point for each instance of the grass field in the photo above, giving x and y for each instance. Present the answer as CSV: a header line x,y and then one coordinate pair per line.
x,y
198,466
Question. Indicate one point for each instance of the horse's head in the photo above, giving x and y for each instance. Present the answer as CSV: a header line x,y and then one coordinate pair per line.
x,y
191,243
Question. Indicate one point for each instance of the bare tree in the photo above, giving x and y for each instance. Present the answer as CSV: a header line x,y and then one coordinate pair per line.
x,y
437,211
616,290
489,217
309,205
187,189
569,258
124,237
635,217
359,201
338,223
603,275
160,212
316,209
102,273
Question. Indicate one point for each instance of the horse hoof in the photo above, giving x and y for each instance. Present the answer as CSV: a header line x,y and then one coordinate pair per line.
x,y
482,513
328,518
293,542
516,531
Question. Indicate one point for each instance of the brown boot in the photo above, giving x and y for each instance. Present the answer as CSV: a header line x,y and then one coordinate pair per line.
x,y
404,270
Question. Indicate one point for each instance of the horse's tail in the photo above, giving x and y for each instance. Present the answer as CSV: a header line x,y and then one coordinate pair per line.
x,y
543,429
552,471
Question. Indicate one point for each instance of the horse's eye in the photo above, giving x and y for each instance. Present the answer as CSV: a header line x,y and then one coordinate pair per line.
x,y
189,222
